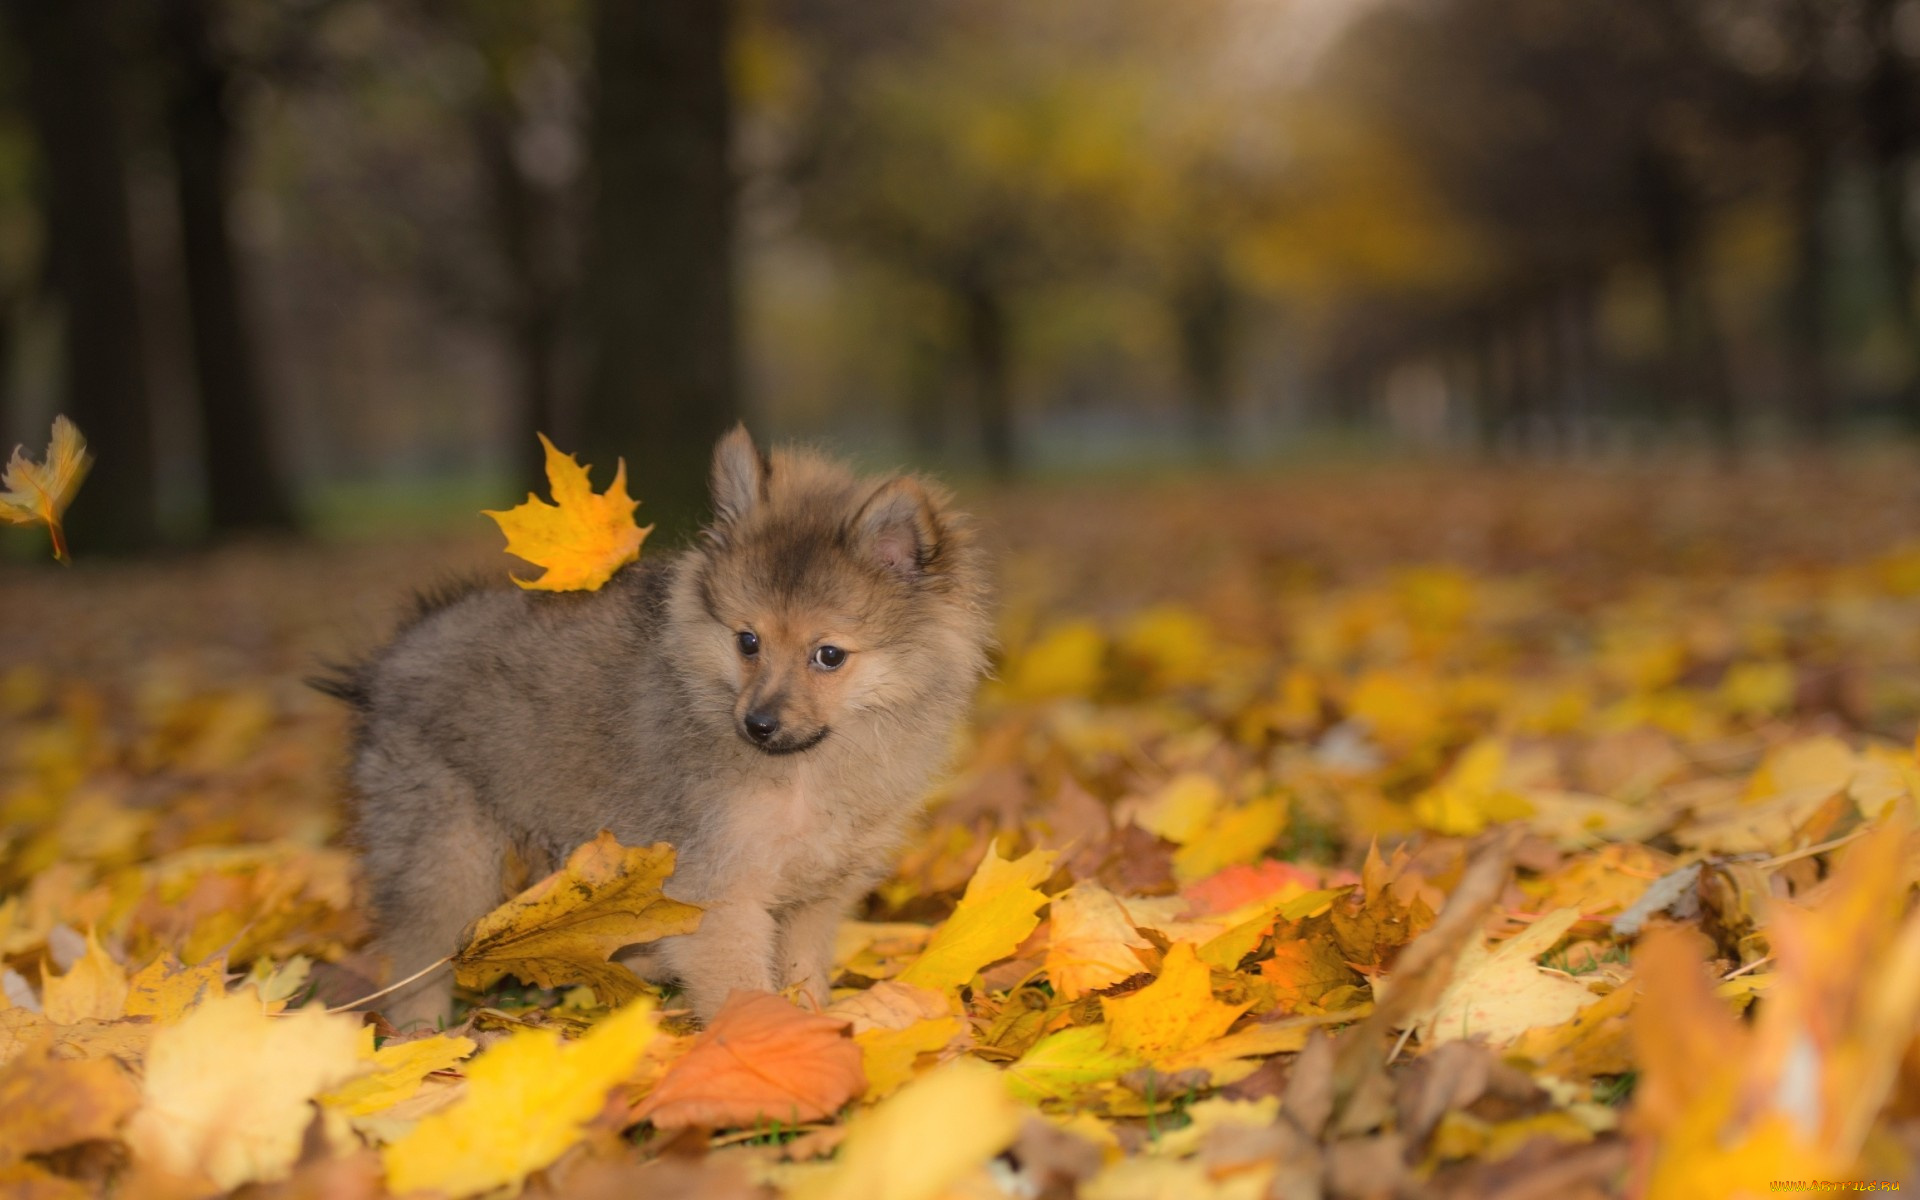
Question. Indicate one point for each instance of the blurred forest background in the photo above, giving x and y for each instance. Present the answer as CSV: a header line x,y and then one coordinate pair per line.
x,y
328,263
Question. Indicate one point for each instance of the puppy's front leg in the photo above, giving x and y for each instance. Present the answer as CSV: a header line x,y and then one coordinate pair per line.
x,y
806,943
733,948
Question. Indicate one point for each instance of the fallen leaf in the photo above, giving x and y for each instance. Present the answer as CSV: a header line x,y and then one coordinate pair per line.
x,y
888,1056
923,1139
397,1070
40,491
760,1059
527,1100
1064,1063
581,538
95,988
998,911
242,1121
1092,941
1502,993
47,1103
166,989
564,928
1174,1013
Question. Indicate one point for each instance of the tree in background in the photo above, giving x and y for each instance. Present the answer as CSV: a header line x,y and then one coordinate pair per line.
x,y
246,487
75,69
662,383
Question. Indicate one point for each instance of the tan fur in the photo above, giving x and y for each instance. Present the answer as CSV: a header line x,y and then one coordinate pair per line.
x,y
505,727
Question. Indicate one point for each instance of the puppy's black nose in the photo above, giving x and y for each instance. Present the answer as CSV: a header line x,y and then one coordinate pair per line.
x,y
761,726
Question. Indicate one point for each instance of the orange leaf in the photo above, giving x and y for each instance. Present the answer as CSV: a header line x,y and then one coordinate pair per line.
x,y
1302,972
583,537
762,1059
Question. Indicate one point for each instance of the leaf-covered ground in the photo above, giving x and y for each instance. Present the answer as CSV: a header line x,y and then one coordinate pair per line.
x,y
1515,832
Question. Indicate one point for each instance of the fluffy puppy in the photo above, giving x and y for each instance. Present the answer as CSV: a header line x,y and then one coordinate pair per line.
x,y
774,702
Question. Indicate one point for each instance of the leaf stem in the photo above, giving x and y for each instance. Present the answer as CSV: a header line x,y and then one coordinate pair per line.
x,y
393,987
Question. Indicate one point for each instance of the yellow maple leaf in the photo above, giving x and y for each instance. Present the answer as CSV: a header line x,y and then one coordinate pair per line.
x,y
1174,1013
166,989
526,1101
1091,942
923,1140
1000,908
227,1089
41,491
95,988
398,1069
563,928
581,538
888,1055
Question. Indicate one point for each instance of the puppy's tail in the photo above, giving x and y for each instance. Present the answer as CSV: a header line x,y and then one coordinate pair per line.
x,y
343,681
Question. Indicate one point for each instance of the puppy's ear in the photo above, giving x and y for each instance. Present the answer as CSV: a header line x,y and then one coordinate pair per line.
x,y
739,475
897,528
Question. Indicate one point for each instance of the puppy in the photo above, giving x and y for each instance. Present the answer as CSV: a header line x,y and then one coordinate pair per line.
x,y
773,702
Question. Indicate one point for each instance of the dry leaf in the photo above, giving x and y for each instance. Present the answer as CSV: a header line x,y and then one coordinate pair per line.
x,y
564,928
583,537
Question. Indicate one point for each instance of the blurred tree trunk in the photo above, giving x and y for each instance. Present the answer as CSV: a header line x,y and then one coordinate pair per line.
x,y
246,487
535,315
73,77
1696,369
659,287
1203,306
1887,103
1806,309
926,397
986,334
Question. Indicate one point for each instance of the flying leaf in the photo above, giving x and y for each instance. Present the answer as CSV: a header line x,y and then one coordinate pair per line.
x,y
760,1059
921,1141
227,1089
563,928
40,491
527,1099
581,538
1175,1012
998,911
1092,941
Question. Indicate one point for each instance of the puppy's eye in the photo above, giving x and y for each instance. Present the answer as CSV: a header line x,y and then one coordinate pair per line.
x,y
749,643
829,657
